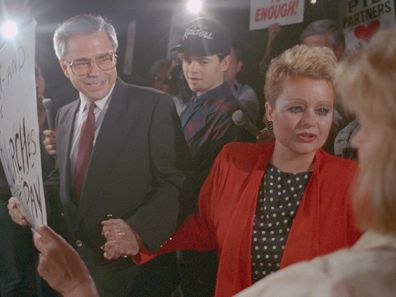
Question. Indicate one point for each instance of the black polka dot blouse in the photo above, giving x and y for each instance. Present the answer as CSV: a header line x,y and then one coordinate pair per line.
x,y
279,197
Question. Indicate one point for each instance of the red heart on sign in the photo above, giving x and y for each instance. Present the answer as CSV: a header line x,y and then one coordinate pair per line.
x,y
365,33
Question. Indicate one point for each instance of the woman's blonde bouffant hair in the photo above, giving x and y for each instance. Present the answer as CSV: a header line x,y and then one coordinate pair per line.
x,y
298,61
367,85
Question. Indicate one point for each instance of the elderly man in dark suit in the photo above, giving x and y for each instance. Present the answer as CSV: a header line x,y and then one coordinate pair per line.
x,y
121,159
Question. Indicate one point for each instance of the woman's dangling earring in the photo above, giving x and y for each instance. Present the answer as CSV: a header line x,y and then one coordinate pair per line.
x,y
269,125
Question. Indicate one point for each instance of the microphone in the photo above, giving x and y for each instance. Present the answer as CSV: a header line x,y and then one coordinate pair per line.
x,y
242,120
48,106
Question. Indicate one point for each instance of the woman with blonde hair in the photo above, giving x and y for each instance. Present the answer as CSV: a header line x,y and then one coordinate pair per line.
x,y
368,268
266,206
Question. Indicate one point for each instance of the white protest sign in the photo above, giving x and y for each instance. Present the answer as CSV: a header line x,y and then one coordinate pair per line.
x,y
264,13
19,129
362,18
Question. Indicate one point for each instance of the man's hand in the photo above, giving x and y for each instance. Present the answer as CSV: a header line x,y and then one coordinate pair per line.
x,y
16,212
121,240
50,141
61,266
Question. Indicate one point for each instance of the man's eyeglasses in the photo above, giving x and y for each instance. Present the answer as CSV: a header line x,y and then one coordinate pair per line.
x,y
82,67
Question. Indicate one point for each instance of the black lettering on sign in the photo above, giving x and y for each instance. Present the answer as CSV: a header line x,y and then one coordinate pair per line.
x,y
32,197
22,148
15,66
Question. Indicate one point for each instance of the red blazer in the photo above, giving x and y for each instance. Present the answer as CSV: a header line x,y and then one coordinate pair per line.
x,y
227,206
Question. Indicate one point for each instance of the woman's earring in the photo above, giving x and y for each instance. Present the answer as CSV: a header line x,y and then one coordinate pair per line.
x,y
269,125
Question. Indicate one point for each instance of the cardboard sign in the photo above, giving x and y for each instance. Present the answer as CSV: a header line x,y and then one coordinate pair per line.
x,y
264,13
363,18
19,128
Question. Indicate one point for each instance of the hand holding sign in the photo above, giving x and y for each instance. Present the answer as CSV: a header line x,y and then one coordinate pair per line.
x,y
16,212
273,31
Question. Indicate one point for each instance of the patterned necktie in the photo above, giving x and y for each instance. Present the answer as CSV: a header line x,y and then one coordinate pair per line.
x,y
85,145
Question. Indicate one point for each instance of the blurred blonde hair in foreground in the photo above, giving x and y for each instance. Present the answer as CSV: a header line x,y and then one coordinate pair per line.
x,y
367,85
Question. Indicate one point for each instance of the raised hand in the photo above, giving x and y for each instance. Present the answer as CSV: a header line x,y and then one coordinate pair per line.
x,y
273,31
61,266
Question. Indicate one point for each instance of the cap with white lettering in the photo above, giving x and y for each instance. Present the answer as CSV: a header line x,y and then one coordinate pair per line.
x,y
205,37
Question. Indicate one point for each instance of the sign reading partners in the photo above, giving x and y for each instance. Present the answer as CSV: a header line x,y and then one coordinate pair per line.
x,y
363,18
19,134
264,13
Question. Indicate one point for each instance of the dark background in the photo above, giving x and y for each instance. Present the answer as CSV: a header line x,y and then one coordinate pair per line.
x,y
153,20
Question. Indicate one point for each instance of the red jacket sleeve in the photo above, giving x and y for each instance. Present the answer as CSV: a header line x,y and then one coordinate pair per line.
x,y
197,232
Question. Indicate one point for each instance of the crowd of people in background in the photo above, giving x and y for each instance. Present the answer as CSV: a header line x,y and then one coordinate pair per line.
x,y
159,191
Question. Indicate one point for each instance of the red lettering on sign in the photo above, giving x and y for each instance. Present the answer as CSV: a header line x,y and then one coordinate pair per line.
x,y
276,11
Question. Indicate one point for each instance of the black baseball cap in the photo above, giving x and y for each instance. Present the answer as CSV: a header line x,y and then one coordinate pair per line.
x,y
205,37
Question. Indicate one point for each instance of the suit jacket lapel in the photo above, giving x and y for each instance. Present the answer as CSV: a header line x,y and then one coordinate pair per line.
x,y
65,136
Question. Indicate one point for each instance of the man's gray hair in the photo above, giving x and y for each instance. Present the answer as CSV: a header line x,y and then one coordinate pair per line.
x,y
329,27
82,24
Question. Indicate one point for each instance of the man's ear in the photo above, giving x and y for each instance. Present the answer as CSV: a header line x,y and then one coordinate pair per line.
x,y
225,63
65,67
268,111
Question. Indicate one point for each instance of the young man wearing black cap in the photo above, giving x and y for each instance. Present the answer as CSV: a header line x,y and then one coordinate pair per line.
x,y
206,122
207,126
